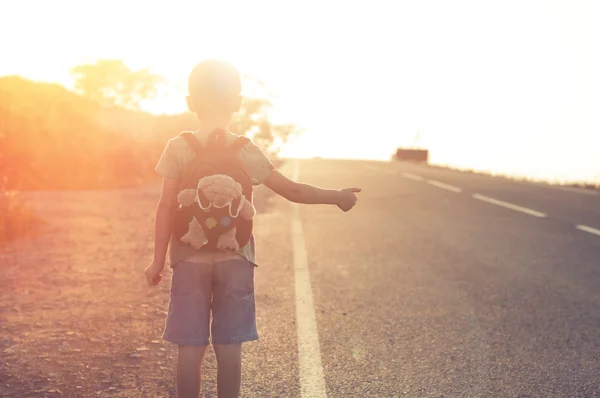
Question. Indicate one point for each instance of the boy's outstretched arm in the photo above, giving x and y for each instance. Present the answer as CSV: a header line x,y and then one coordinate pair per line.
x,y
299,192
162,229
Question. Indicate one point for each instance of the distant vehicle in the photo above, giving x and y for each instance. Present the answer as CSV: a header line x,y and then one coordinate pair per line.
x,y
411,155
414,153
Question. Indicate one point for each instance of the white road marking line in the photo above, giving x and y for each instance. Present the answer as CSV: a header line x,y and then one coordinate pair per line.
x,y
412,176
588,229
312,379
509,206
444,186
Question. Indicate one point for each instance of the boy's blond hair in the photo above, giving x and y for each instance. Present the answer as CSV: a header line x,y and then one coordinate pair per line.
x,y
214,85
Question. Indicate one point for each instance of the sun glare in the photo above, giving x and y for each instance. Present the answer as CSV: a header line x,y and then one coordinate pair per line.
x,y
361,79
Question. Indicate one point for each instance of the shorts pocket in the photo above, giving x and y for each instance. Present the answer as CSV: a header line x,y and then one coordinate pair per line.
x,y
241,279
184,282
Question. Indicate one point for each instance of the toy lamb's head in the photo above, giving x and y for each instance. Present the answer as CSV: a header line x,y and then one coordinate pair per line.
x,y
219,189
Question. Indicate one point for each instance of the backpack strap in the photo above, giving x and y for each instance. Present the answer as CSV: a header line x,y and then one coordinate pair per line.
x,y
216,140
238,144
192,141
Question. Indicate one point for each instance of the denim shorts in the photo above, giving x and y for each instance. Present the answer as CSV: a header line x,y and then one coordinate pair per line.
x,y
224,289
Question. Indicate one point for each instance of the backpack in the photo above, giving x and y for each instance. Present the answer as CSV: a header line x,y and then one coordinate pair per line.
x,y
215,210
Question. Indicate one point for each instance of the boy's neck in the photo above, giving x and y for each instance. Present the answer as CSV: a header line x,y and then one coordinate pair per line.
x,y
209,125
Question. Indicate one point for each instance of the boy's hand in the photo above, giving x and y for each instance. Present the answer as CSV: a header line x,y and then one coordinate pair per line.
x,y
348,198
153,273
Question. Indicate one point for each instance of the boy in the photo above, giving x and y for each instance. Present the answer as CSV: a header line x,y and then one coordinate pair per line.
x,y
217,282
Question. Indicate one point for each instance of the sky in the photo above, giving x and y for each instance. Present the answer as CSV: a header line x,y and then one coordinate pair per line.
x,y
507,86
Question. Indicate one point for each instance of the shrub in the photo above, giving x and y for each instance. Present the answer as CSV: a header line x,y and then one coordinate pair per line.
x,y
16,219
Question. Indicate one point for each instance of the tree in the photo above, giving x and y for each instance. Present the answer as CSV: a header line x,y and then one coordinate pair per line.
x,y
253,120
112,83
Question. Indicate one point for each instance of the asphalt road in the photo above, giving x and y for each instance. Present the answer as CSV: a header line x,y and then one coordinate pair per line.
x,y
436,284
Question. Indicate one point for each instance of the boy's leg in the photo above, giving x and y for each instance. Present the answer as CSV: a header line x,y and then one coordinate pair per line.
x,y
229,369
189,368
234,320
188,322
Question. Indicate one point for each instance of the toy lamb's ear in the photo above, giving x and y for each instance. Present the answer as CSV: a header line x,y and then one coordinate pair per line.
x,y
237,188
187,197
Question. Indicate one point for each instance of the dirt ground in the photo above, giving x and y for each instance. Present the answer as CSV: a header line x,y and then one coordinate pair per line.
x,y
76,316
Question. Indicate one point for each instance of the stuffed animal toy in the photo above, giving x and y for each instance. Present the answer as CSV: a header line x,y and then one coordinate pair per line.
x,y
218,195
